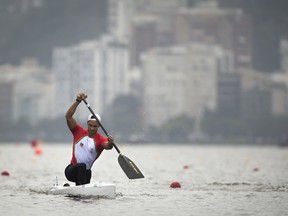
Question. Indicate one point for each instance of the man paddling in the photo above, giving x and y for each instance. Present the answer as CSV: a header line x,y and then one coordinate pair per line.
x,y
87,145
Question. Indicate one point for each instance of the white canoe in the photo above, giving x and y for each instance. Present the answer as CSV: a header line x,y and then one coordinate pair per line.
x,y
93,189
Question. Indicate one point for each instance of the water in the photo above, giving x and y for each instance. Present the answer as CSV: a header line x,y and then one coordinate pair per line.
x,y
219,180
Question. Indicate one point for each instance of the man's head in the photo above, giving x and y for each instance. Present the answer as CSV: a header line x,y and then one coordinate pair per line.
x,y
91,117
92,124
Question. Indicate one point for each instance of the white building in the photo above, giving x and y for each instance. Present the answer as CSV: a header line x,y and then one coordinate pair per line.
x,y
98,68
272,86
180,80
31,91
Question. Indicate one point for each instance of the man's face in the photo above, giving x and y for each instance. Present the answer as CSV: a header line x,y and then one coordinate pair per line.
x,y
92,127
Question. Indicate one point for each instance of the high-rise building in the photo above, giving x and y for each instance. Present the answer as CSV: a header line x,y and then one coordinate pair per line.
x,y
98,68
121,14
229,28
144,37
180,80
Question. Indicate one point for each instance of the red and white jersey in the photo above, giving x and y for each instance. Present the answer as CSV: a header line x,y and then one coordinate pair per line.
x,y
86,149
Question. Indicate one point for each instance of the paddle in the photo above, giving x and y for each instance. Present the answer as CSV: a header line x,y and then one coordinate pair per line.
x,y
130,169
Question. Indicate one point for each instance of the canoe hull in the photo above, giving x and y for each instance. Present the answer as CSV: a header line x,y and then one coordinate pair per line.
x,y
93,189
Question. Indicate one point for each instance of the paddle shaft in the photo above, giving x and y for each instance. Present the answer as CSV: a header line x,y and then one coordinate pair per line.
x,y
100,124
130,169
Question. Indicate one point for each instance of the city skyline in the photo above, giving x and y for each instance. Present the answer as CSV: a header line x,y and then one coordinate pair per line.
x,y
177,61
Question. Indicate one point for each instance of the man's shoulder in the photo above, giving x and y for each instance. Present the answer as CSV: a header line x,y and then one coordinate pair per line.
x,y
78,129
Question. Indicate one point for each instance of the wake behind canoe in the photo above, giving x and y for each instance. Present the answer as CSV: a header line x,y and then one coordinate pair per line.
x,y
100,189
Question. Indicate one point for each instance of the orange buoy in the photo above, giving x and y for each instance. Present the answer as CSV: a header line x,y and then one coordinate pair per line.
x,y
5,173
175,184
38,151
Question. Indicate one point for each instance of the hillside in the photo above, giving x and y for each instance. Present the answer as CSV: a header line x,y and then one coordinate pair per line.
x,y
57,23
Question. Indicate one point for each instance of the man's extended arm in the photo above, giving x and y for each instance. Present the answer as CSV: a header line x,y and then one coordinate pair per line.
x,y
71,122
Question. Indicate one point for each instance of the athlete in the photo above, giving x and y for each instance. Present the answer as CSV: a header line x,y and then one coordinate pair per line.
x,y
87,145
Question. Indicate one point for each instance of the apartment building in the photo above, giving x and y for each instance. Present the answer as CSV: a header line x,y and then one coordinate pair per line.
x,y
180,80
98,68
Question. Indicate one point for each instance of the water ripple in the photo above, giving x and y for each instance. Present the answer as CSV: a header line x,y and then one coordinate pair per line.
x,y
242,186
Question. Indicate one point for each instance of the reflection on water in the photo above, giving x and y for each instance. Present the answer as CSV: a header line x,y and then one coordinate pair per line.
x,y
215,180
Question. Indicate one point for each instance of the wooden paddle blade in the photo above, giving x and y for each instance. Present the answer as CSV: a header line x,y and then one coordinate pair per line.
x,y
130,169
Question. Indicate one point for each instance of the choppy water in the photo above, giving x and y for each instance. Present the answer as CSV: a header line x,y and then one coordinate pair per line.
x,y
218,180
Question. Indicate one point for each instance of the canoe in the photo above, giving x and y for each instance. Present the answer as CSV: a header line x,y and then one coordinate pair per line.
x,y
100,189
